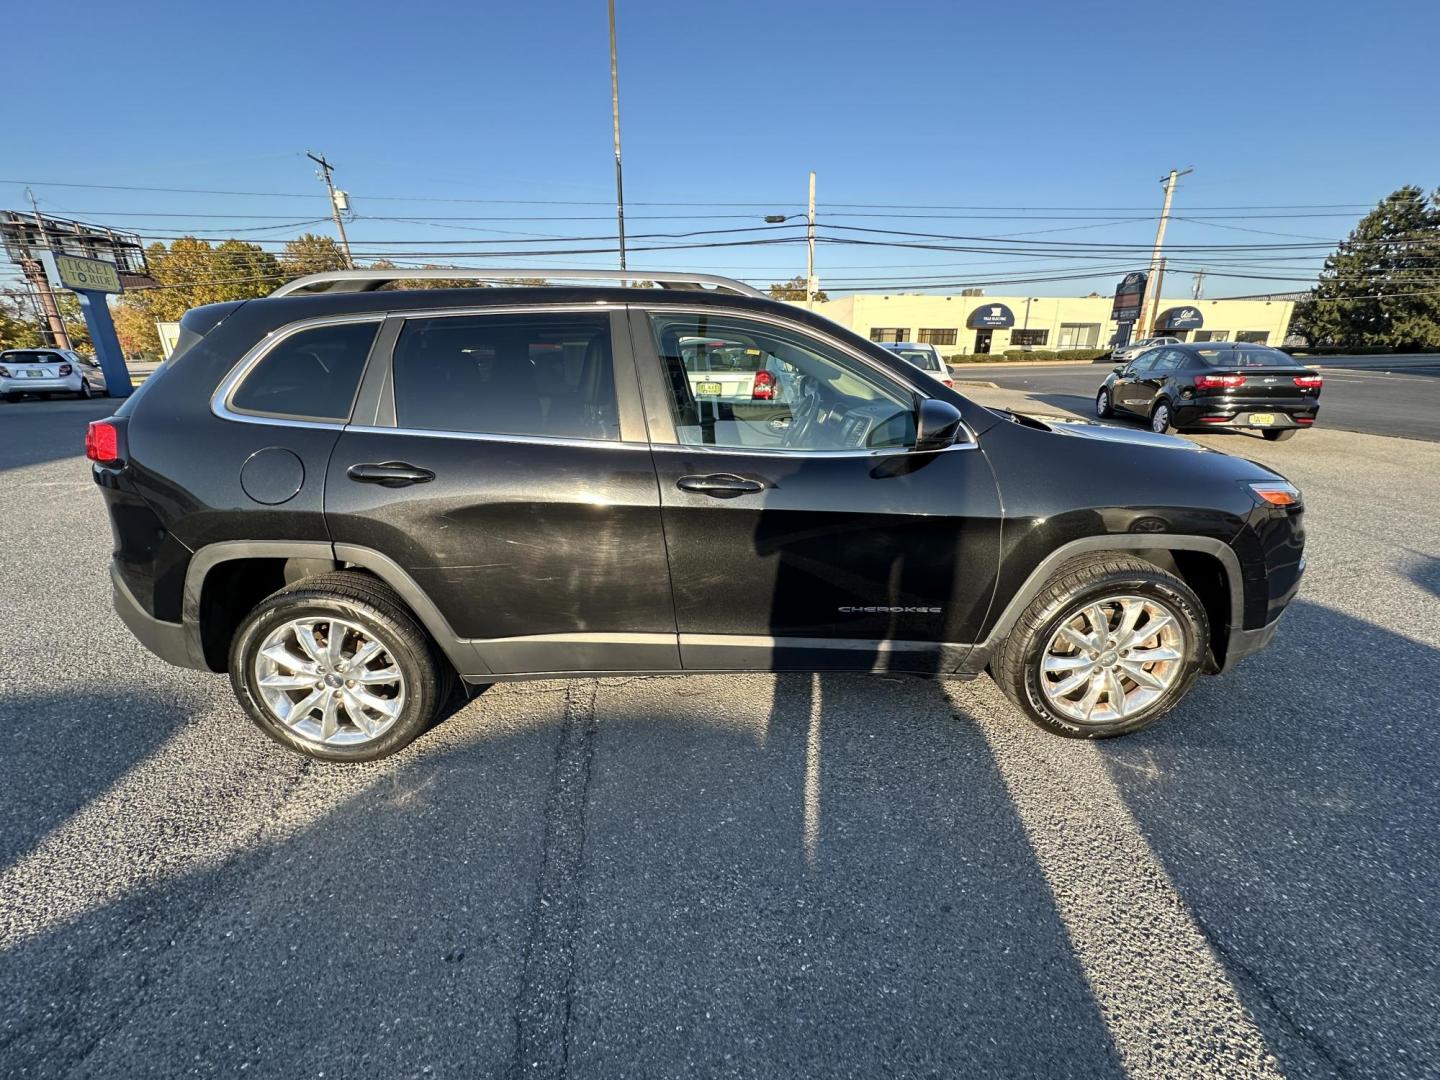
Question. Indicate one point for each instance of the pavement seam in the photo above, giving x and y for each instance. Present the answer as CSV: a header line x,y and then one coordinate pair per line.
x,y
545,1002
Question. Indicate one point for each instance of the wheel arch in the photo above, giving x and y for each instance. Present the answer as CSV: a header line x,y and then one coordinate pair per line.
x,y
1192,558
225,580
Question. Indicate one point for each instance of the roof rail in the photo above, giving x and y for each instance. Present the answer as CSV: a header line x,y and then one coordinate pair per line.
x,y
370,280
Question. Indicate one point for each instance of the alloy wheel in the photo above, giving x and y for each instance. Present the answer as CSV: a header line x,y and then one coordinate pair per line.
x,y
1112,659
330,681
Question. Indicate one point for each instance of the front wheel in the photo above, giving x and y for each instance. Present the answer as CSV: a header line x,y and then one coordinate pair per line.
x,y
336,668
1279,436
84,393
1104,407
1109,646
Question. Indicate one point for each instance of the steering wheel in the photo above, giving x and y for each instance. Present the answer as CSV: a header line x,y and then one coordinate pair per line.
x,y
804,416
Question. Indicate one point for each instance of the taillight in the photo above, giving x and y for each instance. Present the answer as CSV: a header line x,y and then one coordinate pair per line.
x,y
5,373
1310,382
764,389
102,443
949,382
1219,382
65,369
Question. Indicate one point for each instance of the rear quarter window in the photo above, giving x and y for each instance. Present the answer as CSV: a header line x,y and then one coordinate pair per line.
x,y
310,375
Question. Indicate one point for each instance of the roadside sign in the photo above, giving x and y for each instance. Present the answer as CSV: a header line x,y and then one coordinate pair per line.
x,y
92,275
1128,296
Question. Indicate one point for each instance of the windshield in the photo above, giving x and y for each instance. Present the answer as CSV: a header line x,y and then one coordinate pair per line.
x,y
1252,357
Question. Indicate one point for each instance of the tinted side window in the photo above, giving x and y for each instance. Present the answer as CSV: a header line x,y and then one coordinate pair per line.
x,y
1145,361
1168,360
536,374
795,392
310,375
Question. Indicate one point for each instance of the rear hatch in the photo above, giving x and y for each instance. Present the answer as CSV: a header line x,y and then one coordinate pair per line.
x,y
24,365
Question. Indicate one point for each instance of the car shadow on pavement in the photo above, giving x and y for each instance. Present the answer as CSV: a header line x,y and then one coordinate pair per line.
x,y
823,882
35,432
1295,804
48,742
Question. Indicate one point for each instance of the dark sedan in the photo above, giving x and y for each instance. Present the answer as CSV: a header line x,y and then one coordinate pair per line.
x,y
1214,384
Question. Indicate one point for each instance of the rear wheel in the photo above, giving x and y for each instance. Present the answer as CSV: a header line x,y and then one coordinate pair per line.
x,y
1104,408
335,667
1160,417
1108,647
84,391
1279,435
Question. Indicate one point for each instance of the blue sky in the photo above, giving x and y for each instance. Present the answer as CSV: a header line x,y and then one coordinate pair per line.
x,y
1063,109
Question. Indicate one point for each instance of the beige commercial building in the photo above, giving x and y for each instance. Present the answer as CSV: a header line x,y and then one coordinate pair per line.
x,y
995,324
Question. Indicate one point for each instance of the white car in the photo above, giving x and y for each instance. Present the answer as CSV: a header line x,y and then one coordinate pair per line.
x,y
1127,353
925,357
734,372
49,371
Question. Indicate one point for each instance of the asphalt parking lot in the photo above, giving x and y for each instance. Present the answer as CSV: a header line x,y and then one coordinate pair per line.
x,y
1377,395
730,876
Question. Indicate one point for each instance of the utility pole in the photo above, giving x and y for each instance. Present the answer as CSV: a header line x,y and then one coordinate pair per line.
x,y
812,284
34,271
1198,289
615,115
325,170
1149,309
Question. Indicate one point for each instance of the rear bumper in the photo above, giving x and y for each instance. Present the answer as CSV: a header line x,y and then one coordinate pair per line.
x,y
70,384
1243,643
167,640
1203,414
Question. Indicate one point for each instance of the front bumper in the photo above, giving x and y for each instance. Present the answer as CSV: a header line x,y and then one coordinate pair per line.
x,y
167,640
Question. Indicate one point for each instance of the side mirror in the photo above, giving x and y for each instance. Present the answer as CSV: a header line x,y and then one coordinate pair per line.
x,y
937,424
1119,369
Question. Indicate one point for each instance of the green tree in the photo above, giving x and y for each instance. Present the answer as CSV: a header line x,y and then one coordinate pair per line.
x,y
1380,286
794,289
311,254
18,328
189,273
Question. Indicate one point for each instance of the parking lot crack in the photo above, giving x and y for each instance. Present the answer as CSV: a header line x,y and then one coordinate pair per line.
x,y
543,1006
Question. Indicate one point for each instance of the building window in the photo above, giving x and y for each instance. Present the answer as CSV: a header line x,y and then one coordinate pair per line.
x,y
889,333
1253,337
1212,335
1074,335
1028,339
938,337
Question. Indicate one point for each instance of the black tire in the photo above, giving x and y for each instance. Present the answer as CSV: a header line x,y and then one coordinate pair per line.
x,y
84,393
361,599
12,398
1279,435
1168,424
1016,666
1104,406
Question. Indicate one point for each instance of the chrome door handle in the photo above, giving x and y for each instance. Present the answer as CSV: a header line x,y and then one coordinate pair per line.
x,y
389,474
719,485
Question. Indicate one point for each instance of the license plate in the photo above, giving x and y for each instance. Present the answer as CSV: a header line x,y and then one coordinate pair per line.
x,y
709,389
1262,419
35,374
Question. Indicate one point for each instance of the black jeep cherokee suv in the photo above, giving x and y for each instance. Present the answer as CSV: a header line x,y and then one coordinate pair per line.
x,y
347,496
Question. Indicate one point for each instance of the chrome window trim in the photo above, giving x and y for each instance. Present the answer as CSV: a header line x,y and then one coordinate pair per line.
x,y
485,436
220,400
742,451
790,324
